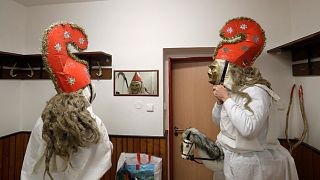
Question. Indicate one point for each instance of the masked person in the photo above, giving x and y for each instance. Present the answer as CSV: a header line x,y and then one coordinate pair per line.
x,y
68,142
244,97
136,85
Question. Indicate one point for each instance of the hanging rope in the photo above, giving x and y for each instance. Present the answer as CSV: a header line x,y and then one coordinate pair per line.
x,y
304,118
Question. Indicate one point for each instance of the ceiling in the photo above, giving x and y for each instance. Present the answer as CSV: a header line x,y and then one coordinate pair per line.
x,y
47,2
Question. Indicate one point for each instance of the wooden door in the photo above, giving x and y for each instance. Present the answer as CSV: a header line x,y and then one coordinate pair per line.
x,y
191,102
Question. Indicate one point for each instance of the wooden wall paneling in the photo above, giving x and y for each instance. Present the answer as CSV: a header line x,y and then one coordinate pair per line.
x,y
156,147
124,144
18,155
300,69
1,157
298,158
119,148
143,145
5,158
130,145
25,138
316,165
163,154
13,147
307,167
150,146
12,156
307,160
114,158
136,144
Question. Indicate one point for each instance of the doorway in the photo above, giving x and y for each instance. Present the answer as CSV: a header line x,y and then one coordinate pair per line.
x,y
190,105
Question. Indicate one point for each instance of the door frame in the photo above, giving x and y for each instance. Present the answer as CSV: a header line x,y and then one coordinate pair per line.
x,y
172,60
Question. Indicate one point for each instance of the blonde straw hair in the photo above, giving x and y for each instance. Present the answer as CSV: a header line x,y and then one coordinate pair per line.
x,y
67,125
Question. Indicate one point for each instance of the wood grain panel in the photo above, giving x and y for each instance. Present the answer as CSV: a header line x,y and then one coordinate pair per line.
x,y
143,145
307,160
307,169
119,147
125,144
316,165
136,144
150,146
12,156
114,158
5,158
19,154
130,144
13,147
156,147
163,154
1,157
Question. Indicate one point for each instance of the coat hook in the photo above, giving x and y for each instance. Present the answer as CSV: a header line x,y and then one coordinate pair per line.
x,y
11,71
99,74
31,71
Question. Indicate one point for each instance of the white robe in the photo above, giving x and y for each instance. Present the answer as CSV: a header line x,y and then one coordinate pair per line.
x,y
249,153
88,163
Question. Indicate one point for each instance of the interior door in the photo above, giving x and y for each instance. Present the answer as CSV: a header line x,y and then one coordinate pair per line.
x,y
191,101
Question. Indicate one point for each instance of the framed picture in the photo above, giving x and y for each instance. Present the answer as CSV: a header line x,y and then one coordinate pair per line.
x,y
136,83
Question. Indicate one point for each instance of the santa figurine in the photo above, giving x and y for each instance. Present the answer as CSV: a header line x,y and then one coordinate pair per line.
x,y
68,141
136,85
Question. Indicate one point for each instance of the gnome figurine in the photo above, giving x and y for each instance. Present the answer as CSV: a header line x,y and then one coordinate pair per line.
x,y
68,141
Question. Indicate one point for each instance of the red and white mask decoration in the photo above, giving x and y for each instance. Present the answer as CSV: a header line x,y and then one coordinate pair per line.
x,y
68,72
243,41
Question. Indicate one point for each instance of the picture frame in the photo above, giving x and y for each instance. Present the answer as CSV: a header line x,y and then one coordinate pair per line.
x,y
136,83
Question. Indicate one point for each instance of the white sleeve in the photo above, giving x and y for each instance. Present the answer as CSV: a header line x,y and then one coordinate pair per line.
x,y
216,113
100,161
247,123
34,152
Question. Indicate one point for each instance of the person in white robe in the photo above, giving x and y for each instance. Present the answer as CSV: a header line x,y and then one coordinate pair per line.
x,y
68,141
88,163
244,99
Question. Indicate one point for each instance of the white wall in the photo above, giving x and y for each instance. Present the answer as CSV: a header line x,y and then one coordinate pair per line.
x,y
10,121
12,39
305,21
135,33
13,26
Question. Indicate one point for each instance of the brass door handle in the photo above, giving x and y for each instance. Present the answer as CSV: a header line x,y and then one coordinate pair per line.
x,y
177,131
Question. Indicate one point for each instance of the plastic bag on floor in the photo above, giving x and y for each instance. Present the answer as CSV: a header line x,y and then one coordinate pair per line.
x,y
132,166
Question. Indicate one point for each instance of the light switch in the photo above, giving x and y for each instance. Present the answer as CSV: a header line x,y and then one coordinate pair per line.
x,y
149,107
138,104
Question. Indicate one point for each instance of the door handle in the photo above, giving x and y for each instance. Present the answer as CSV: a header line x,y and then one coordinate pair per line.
x,y
177,131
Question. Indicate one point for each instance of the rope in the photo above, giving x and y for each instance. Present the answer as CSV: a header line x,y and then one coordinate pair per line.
x,y
304,118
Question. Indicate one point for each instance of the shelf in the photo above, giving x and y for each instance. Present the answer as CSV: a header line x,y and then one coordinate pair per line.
x,y
304,49
18,66
307,41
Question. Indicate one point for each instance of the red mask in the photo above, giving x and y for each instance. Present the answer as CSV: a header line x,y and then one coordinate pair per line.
x,y
68,73
243,41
